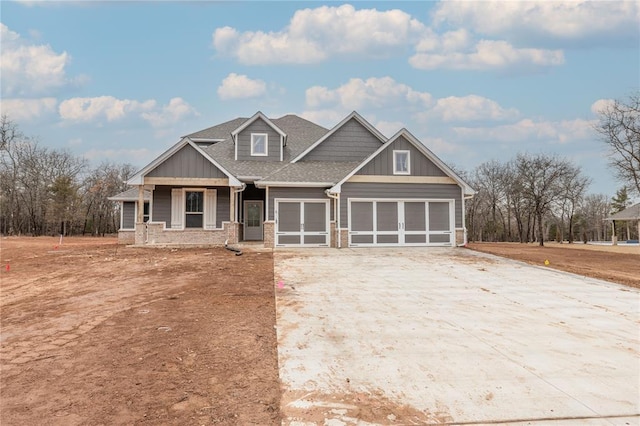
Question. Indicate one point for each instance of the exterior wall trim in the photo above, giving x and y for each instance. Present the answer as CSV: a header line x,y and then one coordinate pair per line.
x,y
401,179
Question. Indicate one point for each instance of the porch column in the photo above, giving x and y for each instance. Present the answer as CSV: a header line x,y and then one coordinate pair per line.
x,y
140,216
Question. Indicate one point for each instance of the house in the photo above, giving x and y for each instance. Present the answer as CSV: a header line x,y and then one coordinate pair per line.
x,y
629,215
289,182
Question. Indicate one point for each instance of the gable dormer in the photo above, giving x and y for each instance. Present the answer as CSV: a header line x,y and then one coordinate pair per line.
x,y
258,139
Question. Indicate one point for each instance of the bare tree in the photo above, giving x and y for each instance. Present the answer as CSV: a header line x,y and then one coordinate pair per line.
x,y
619,127
573,185
540,179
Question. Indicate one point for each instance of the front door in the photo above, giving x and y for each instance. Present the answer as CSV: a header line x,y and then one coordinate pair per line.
x,y
253,218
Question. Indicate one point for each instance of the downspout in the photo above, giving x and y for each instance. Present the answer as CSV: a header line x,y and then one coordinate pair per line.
x,y
235,193
336,214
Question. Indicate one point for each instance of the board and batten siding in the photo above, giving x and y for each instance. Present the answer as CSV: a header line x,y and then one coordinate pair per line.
x,y
187,163
244,142
294,193
351,142
395,191
128,215
162,205
382,164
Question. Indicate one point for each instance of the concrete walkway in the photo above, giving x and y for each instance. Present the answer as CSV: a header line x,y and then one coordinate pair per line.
x,y
451,336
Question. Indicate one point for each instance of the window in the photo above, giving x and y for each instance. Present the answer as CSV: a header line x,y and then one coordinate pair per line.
x,y
194,209
145,212
401,163
259,142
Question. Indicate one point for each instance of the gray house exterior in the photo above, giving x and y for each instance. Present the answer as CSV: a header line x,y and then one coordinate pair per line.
x,y
289,182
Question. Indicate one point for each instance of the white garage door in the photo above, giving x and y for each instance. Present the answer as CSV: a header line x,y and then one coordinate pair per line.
x,y
401,222
302,223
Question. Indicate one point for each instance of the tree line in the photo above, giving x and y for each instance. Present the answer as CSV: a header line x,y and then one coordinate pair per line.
x,y
51,192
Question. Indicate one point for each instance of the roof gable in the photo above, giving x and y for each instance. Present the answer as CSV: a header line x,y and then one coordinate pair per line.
x,y
353,116
138,178
406,135
258,115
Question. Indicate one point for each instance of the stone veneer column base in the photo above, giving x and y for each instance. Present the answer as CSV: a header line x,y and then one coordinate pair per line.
x,y
268,231
344,238
459,237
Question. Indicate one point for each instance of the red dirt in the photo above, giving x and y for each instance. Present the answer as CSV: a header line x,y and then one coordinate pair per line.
x,y
95,333
618,265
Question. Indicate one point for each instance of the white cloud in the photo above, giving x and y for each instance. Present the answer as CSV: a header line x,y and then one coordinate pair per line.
x,y
484,55
562,132
30,68
468,108
373,92
102,107
601,105
26,109
133,156
235,86
389,128
440,146
314,35
177,109
324,117
537,21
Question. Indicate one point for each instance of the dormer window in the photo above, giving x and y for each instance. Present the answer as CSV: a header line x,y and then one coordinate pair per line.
x,y
401,163
259,143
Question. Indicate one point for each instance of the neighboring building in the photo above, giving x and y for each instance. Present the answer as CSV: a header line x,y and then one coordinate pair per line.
x,y
629,215
290,182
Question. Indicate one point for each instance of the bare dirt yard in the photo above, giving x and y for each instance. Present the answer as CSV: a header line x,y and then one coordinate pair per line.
x,y
619,264
96,333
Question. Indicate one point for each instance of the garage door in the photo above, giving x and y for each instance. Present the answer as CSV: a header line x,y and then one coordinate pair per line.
x,y
302,223
401,222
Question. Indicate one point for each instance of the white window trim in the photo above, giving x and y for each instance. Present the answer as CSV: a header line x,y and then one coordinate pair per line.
x,y
266,145
209,209
395,162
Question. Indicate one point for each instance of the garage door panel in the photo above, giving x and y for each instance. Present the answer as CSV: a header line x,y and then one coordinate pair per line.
x,y
362,239
439,219
315,217
415,239
387,239
302,223
288,217
387,216
415,216
314,239
361,216
439,238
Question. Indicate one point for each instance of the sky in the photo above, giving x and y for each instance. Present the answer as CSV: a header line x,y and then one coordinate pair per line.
x,y
475,81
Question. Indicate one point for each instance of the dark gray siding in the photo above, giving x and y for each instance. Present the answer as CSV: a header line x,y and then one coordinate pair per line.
x,y
187,162
351,142
162,205
128,215
295,193
382,164
244,142
222,206
400,191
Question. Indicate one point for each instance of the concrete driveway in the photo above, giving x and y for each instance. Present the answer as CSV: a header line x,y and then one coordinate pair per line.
x,y
451,336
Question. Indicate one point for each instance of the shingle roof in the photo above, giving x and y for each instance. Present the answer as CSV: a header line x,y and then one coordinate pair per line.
x,y
221,131
630,213
301,133
131,195
313,171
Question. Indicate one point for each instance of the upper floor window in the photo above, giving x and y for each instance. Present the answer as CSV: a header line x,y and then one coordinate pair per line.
x,y
401,163
259,143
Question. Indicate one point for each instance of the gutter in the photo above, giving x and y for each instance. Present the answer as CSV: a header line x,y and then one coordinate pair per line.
x,y
336,214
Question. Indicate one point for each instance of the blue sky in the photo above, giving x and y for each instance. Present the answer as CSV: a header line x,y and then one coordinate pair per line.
x,y
474,81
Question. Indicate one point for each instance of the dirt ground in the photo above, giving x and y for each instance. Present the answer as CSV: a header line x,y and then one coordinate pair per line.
x,y
619,264
96,333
